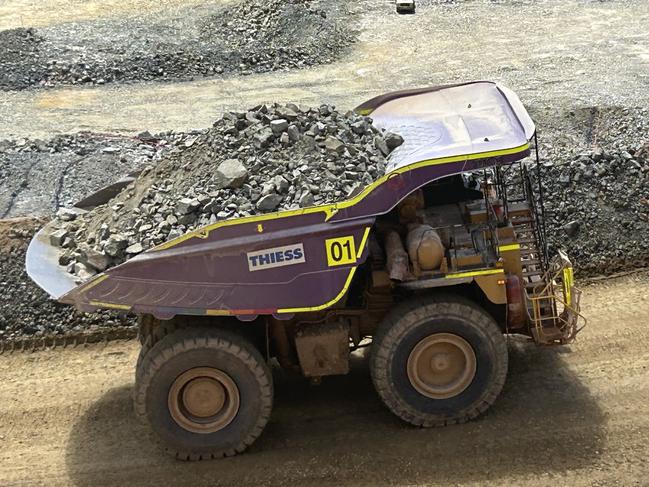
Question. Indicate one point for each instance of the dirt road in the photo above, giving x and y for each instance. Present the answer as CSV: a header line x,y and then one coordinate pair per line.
x,y
556,54
568,416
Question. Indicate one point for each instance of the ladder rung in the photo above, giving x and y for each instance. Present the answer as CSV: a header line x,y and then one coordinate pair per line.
x,y
532,285
532,273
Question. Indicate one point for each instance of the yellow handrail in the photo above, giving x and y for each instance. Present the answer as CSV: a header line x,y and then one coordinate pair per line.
x,y
567,322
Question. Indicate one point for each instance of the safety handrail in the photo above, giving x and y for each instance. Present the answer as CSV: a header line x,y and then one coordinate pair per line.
x,y
568,321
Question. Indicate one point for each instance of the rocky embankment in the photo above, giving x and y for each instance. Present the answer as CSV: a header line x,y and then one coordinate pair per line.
x,y
27,310
598,209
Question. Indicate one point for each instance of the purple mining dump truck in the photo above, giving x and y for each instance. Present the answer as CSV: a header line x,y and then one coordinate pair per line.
x,y
432,265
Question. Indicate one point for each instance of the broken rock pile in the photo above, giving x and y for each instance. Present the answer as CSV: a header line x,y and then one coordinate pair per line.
x,y
25,309
266,159
242,37
598,209
271,34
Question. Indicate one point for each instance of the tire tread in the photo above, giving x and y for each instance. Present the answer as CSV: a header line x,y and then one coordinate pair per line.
x,y
184,340
401,319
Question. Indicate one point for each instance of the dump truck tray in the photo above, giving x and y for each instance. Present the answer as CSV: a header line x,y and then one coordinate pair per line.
x,y
303,260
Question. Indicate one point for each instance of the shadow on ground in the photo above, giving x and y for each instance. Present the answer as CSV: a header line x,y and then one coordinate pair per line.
x,y
545,422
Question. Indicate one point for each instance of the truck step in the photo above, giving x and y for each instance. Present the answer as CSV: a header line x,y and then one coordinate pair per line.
x,y
529,251
529,284
550,334
532,273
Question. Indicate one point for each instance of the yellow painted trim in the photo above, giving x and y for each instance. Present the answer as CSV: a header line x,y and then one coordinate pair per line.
x,y
217,312
363,242
428,162
110,305
365,111
331,209
474,273
352,271
94,283
568,281
345,287
505,248
204,232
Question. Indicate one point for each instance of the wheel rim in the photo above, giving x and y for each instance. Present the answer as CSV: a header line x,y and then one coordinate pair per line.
x,y
441,365
203,400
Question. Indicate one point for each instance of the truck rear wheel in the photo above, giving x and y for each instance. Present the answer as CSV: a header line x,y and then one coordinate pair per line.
x,y
151,331
438,360
206,393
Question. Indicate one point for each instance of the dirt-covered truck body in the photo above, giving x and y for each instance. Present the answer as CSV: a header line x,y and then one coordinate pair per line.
x,y
435,261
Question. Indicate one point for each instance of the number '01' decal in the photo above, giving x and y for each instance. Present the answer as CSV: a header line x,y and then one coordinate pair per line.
x,y
340,251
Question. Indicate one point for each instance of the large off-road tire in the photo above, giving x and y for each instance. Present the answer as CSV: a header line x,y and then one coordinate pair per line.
x,y
206,392
438,360
150,332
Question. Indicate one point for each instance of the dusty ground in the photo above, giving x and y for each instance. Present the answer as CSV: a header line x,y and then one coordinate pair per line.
x,y
568,416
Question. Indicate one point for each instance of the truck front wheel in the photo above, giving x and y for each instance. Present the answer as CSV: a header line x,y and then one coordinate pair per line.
x,y
206,392
438,360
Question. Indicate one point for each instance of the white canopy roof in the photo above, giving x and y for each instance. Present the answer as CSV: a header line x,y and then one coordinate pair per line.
x,y
459,120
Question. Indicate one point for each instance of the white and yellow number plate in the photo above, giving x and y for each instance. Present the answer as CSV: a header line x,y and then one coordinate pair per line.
x,y
340,251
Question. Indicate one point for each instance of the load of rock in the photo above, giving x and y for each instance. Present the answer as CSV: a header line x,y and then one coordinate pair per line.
x,y
269,158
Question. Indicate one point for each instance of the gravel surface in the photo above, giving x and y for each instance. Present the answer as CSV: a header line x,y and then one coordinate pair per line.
x,y
265,159
248,37
25,309
39,176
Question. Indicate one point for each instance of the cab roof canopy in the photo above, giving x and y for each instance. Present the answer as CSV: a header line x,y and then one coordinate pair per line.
x,y
457,120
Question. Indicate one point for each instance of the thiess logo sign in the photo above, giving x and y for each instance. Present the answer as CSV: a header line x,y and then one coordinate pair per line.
x,y
275,257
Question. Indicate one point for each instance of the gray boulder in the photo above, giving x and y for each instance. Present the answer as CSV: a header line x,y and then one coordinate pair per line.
x,y
231,173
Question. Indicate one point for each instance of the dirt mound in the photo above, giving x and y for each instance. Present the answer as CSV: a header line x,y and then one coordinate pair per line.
x,y
25,309
247,37
277,33
20,59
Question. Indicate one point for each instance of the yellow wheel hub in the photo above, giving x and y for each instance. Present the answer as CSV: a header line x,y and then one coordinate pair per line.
x,y
203,400
441,366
